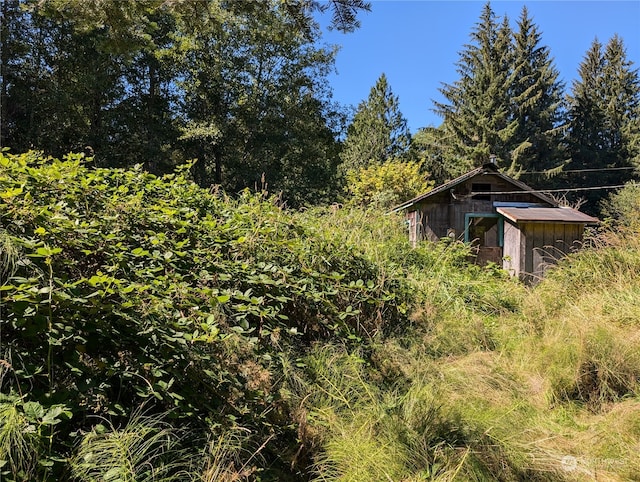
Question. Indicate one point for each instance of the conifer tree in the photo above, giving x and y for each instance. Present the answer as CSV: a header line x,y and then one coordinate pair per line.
x,y
507,101
536,101
378,132
586,114
604,114
622,109
476,112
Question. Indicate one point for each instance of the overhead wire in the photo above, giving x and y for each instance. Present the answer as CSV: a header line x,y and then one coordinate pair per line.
x,y
542,191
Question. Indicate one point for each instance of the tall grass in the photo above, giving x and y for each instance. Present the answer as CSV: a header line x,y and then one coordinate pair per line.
x,y
493,380
146,449
584,324
227,458
19,441
490,380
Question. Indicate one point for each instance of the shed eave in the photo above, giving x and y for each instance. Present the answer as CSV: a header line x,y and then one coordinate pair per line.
x,y
556,215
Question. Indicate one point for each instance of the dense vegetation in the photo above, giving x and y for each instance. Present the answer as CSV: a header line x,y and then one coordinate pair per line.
x,y
121,287
241,86
153,330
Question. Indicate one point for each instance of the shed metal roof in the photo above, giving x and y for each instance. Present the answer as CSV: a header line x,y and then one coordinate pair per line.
x,y
559,215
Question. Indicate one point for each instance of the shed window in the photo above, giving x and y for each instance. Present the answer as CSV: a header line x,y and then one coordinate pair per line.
x,y
486,228
481,187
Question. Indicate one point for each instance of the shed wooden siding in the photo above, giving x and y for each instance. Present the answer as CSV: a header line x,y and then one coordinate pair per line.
x,y
514,249
412,220
438,218
546,243
536,232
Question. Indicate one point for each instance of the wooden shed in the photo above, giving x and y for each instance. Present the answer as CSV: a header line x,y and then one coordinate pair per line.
x,y
506,221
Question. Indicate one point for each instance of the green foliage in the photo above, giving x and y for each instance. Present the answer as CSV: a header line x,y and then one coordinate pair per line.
x,y
493,381
388,184
132,288
604,113
9,256
227,458
475,115
536,101
429,146
317,345
507,102
623,206
587,334
257,108
239,86
26,434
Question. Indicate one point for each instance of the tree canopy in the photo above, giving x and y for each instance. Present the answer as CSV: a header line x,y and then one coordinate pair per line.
x,y
476,110
378,131
536,99
507,101
240,86
604,119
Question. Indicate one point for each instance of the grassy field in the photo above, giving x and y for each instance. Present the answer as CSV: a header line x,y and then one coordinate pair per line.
x,y
493,381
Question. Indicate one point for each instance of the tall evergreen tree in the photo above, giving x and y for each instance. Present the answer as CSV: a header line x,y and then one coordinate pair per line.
x,y
622,110
429,147
536,101
378,132
476,113
586,113
507,101
604,114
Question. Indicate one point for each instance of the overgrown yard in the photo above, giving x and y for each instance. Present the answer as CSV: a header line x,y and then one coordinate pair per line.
x,y
153,330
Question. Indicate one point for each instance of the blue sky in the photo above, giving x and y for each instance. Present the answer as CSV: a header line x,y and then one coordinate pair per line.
x,y
416,44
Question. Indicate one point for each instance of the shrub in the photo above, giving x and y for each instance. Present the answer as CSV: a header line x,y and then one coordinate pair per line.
x,y
623,206
388,184
128,288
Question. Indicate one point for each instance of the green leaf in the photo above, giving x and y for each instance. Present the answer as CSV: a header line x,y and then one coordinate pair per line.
x,y
33,411
11,192
46,251
51,417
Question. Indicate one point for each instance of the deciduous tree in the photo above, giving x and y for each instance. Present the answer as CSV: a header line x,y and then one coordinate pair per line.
x,y
387,185
238,85
255,106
